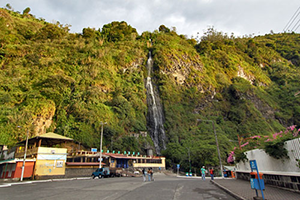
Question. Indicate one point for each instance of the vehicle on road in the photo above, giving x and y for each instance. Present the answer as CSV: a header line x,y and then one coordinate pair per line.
x,y
106,172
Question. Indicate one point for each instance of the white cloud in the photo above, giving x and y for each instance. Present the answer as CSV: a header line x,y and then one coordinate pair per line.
x,y
188,16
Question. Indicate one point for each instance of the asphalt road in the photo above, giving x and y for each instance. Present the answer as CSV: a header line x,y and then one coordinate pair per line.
x,y
124,188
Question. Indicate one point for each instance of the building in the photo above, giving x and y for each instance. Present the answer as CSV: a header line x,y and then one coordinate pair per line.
x,y
53,155
12,168
46,156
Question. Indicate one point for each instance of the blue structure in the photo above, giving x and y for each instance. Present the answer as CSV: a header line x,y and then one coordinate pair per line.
x,y
256,180
122,163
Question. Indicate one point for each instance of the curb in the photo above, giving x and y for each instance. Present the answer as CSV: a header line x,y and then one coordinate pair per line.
x,y
228,191
41,181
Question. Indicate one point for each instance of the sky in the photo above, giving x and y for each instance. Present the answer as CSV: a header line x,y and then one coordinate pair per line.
x,y
189,17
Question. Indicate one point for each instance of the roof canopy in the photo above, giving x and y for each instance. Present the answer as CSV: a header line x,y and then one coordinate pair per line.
x,y
51,135
48,139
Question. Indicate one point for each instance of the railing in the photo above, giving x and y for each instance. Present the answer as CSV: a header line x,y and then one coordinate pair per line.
x,y
20,152
79,153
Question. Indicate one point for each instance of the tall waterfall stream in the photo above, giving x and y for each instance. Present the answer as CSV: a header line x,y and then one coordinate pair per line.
x,y
155,117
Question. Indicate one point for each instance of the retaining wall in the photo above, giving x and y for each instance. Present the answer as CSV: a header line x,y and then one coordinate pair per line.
x,y
78,172
278,172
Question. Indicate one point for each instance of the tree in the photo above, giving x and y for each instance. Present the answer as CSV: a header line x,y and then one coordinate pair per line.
x,y
89,32
118,31
8,6
26,11
163,28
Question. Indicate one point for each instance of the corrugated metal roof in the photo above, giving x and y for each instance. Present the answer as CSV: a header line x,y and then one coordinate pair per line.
x,y
15,160
49,135
54,136
8,161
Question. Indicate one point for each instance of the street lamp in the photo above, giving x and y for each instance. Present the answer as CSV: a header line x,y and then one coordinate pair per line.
x,y
101,142
23,166
213,123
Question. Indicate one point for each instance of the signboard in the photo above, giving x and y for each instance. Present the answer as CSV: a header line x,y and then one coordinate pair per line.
x,y
256,183
51,157
178,166
253,165
59,163
252,183
93,149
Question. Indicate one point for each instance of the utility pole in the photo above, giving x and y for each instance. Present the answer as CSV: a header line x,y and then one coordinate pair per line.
x,y
23,166
188,148
101,143
219,155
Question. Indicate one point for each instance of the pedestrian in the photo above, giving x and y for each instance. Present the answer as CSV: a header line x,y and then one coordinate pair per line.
x,y
203,172
144,174
151,171
211,172
149,174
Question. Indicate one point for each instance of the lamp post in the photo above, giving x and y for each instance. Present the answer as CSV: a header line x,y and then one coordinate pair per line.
x,y
101,142
24,160
213,123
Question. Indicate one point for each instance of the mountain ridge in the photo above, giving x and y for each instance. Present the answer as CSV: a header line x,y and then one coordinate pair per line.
x,y
247,85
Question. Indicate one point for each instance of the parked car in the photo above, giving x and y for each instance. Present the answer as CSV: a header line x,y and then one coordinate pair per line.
x,y
106,172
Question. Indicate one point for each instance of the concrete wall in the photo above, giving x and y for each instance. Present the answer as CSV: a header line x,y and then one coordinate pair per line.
x,y
278,172
50,161
269,164
78,172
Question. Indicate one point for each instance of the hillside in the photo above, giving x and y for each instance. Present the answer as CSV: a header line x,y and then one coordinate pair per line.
x,y
53,80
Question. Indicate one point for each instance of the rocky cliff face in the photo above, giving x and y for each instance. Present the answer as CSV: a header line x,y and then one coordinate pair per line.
x,y
182,67
41,124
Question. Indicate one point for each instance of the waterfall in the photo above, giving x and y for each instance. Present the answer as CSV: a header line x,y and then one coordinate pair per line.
x,y
155,118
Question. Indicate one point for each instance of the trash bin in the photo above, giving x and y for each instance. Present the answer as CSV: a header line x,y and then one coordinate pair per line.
x,y
257,184
225,174
191,174
232,174
187,174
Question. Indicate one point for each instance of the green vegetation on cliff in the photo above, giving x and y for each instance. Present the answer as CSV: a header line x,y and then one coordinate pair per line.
x,y
68,83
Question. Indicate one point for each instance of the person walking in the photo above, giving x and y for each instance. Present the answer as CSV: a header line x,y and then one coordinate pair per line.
x,y
211,172
203,172
149,174
144,174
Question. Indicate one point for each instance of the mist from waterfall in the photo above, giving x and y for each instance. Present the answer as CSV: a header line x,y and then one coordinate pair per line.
x,y
155,117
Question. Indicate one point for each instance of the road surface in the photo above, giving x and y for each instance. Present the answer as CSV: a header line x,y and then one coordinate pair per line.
x,y
123,188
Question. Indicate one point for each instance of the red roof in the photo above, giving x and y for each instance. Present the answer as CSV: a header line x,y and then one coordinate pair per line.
x,y
84,163
122,156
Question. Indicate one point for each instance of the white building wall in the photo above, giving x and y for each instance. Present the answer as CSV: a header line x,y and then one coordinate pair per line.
x,y
270,165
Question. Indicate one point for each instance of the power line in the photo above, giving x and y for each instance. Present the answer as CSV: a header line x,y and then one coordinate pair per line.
x,y
296,25
295,15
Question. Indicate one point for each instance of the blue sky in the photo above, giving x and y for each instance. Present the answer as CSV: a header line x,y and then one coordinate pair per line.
x,y
241,17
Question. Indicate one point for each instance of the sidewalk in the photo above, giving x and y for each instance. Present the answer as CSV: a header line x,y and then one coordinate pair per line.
x,y
241,189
